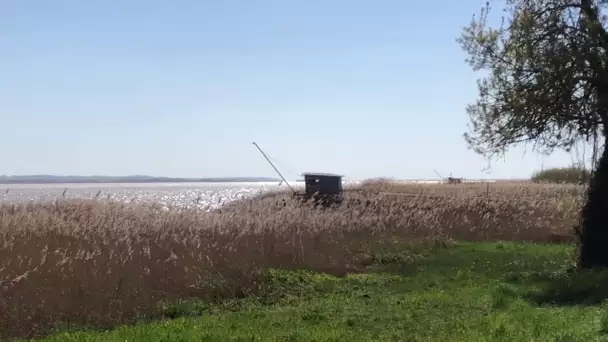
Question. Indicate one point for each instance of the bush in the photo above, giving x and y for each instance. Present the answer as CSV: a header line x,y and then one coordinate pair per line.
x,y
563,175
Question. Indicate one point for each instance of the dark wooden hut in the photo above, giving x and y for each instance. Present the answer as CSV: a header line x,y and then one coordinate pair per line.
x,y
323,188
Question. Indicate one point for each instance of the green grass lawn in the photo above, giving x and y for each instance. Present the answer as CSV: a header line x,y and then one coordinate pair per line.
x,y
465,292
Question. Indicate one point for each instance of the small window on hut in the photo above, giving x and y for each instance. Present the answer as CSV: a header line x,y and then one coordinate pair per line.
x,y
312,181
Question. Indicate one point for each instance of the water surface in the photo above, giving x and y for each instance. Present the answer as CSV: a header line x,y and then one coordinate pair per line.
x,y
203,195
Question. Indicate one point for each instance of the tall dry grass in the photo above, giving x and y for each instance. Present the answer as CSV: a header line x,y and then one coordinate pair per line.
x,y
99,264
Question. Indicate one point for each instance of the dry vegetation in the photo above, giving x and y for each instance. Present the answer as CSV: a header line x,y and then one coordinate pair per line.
x,y
100,264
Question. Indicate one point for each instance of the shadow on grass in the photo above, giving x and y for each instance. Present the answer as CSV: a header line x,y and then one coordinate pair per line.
x,y
570,288
540,273
536,273
479,260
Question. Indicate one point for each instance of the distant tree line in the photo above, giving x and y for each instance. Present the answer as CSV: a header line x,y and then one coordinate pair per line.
x,y
573,174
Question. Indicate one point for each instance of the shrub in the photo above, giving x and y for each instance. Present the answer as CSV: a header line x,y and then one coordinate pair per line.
x,y
563,175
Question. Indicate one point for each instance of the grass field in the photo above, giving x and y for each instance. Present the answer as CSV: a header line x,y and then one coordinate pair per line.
x,y
102,265
461,292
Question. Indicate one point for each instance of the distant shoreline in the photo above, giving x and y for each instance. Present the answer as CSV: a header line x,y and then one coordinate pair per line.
x,y
8,180
49,179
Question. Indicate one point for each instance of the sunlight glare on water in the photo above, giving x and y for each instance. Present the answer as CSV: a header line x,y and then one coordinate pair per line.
x,y
206,196
202,195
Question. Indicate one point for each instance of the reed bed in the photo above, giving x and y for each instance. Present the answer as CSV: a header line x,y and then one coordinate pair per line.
x,y
77,263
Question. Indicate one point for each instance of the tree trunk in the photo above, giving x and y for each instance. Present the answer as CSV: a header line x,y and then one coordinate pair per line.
x,y
593,249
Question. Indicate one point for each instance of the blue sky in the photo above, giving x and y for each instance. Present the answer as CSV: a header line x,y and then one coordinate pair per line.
x,y
182,88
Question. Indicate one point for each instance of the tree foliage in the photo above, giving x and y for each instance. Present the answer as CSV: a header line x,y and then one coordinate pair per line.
x,y
547,64
574,174
547,84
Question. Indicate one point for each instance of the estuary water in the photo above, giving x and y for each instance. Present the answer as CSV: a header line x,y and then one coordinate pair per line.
x,y
202,195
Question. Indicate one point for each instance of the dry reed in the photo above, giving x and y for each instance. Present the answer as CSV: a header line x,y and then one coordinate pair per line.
x,y
96,263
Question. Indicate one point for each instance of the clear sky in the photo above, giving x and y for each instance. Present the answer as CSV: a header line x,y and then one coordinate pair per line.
x,y
182,88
